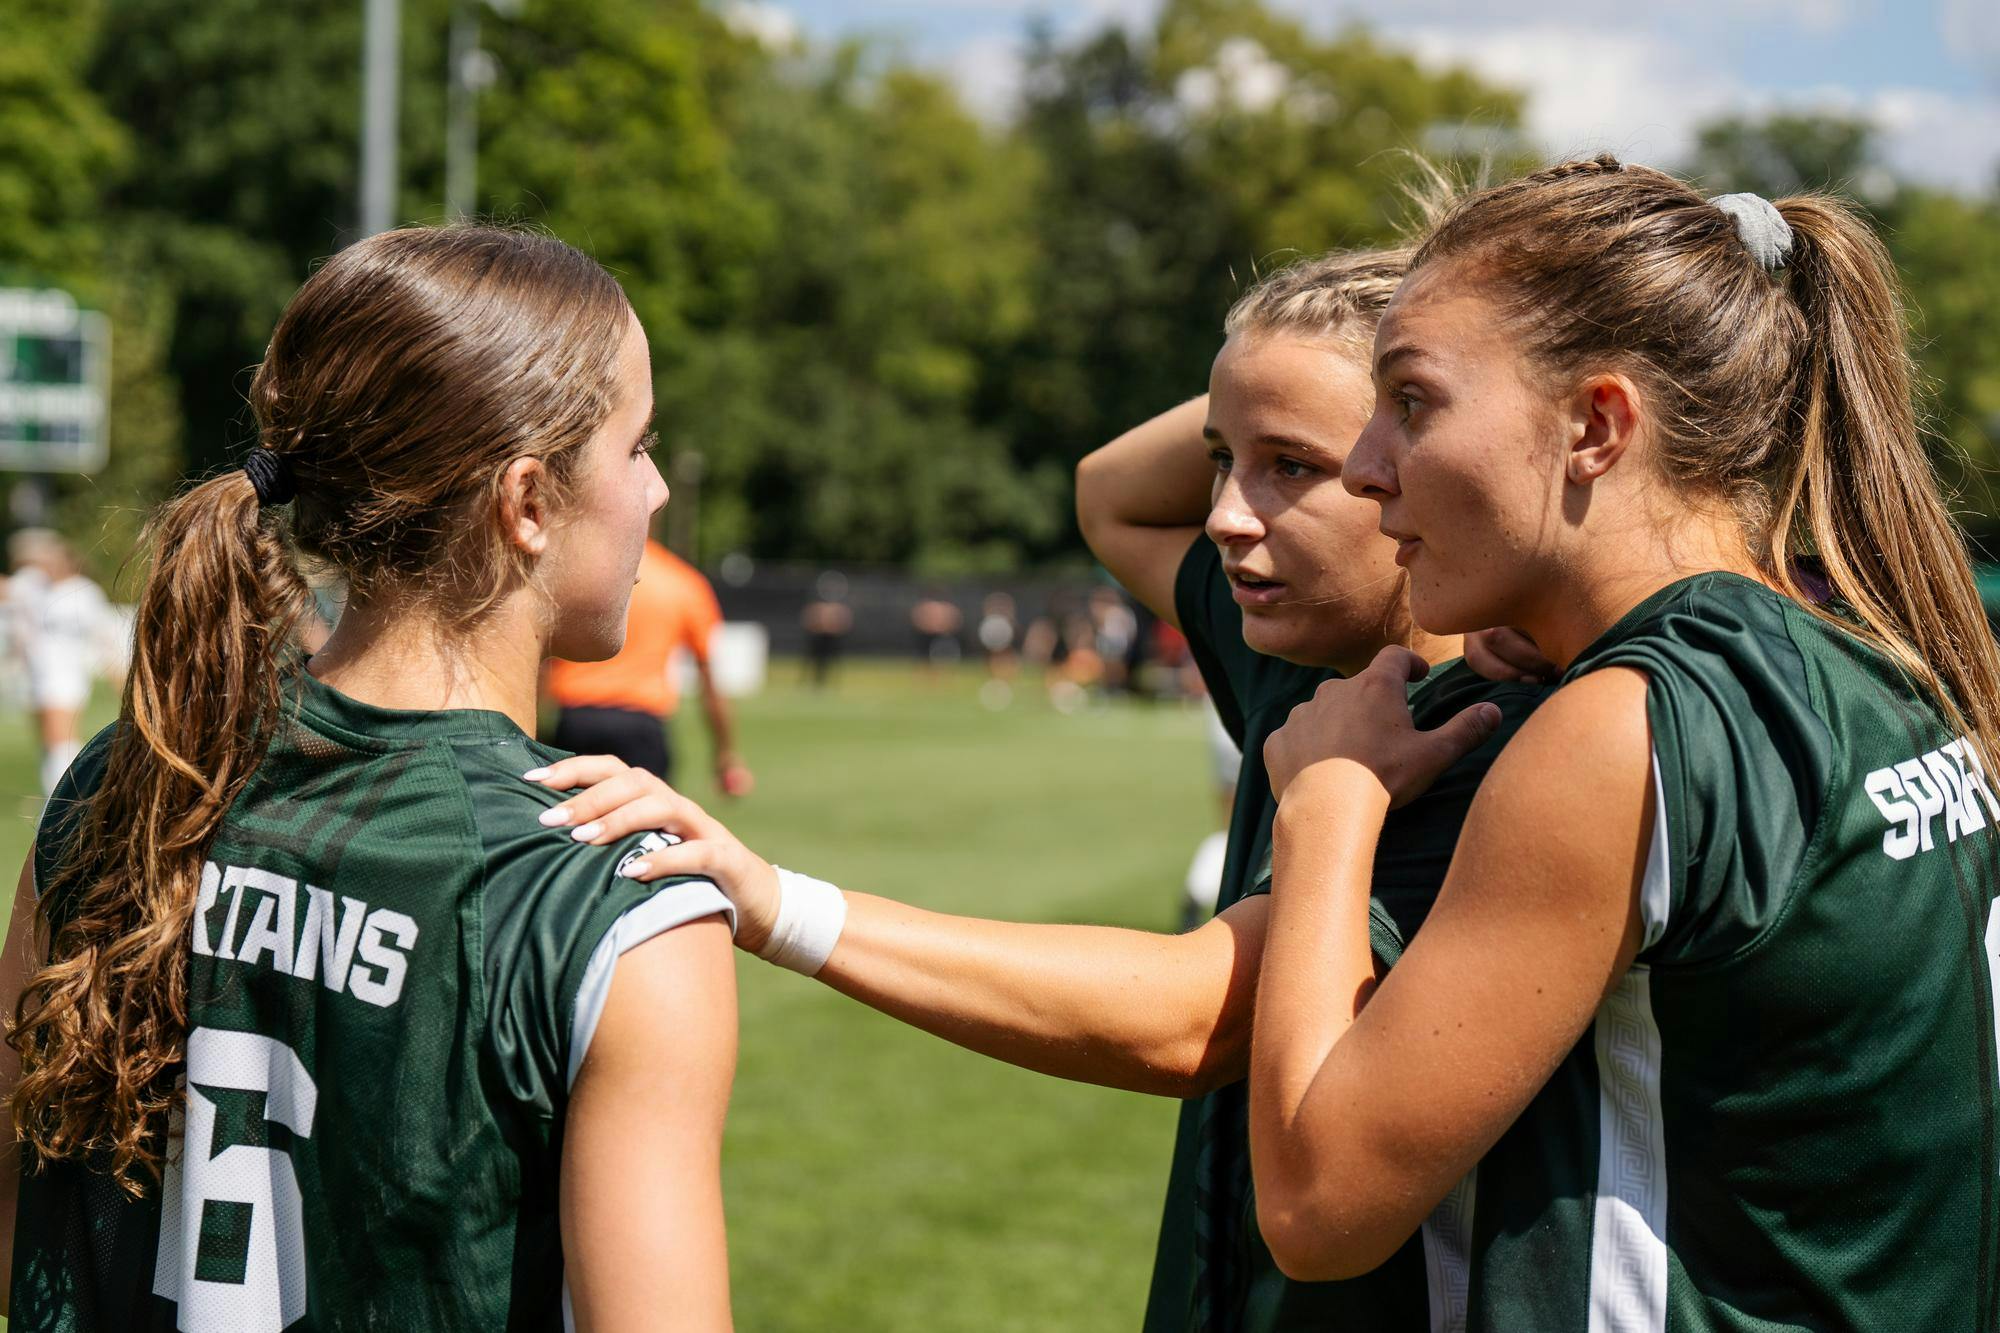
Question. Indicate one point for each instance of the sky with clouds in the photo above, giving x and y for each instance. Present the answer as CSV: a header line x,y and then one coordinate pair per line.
x,y
1635,81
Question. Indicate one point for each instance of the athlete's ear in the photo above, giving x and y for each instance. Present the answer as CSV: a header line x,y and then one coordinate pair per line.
x,y
524,505
1603,418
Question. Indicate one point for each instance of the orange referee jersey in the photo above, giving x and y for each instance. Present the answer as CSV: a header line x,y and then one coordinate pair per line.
x,y
672,607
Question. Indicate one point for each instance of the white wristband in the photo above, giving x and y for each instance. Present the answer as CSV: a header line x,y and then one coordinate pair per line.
x,y
811,913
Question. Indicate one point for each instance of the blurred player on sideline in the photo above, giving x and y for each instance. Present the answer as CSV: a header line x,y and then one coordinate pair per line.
x,y
936,621
827,620
60,624
625,705
1203,886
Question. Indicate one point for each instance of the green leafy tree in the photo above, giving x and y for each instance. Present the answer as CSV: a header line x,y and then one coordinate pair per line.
x,y
824,250
1948,248
838,400
1180,164
57,142
58,148
244,120
603,126
1787,153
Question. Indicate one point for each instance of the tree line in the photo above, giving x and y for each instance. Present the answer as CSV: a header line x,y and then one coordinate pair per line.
x,y
883,328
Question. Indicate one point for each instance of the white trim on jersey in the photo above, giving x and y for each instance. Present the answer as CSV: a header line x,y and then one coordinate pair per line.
x,y
1656,891
1628,1246
1447,1236
675,905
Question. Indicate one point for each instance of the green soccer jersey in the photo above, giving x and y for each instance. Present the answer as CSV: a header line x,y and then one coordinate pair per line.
x,y
394,972
1212,1270
1783,1117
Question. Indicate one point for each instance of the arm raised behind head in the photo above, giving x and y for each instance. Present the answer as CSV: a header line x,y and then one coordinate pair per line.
x,y
1141,501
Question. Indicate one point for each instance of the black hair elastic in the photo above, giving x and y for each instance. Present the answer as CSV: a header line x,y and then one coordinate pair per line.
x,y
272,476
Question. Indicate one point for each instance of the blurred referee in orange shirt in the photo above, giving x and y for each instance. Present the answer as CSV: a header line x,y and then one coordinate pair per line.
x,y
623,705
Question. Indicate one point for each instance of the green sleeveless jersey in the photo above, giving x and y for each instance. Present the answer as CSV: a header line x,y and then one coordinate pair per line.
x,y
394,971
1783,1117
1212,1270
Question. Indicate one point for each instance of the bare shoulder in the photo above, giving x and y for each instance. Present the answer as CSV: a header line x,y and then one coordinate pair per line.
x,y
671,1010
1595,721
1567,804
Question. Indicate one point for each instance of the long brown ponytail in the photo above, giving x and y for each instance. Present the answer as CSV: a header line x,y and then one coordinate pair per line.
x,y
1862,497
400,382
1786,394
99,1026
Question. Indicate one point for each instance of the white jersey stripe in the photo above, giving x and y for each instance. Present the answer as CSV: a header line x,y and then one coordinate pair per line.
x,y
1448,1256
1628,1245
1656,891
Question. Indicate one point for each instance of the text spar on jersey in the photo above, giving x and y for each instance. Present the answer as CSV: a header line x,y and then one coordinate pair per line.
x,y
346,946
1933,798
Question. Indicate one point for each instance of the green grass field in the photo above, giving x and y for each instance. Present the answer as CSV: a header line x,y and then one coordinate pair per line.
x,y
878,1178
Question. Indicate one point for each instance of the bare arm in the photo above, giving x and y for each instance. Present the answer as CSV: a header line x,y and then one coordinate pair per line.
x,y
1161,1014
643,1239
1141,501
1366,1109
15,968
1164,1014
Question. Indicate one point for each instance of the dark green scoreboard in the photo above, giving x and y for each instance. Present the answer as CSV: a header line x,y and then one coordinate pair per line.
x,y
55,370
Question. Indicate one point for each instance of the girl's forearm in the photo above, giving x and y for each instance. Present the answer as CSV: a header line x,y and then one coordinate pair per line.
x,y
1318,973
1163,1014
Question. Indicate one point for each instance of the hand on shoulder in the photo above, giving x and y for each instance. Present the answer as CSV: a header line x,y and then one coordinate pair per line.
x,y
614,800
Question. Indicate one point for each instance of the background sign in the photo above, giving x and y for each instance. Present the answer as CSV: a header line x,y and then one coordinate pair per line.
x,y
55,366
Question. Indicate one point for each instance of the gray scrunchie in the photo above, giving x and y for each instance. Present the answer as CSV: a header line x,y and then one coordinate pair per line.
x,y
1762,229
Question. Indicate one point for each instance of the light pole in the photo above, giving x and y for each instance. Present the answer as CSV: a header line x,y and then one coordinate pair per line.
x,y
472,71
380,69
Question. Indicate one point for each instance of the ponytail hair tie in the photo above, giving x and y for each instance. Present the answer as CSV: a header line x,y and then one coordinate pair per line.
x,y
1760,226
272,476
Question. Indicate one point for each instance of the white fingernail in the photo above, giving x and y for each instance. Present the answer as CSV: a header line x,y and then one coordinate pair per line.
x,y
585,832
632,869
554,817
534,775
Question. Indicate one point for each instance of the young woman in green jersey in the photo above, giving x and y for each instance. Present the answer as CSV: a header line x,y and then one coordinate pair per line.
x,y
316,1027
1288,585
1711,983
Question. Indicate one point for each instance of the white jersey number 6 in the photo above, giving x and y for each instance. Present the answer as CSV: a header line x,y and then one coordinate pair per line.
x,y
232,1241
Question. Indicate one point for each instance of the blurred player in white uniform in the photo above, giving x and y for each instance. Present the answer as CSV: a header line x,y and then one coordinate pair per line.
x,y
60,628
1204,874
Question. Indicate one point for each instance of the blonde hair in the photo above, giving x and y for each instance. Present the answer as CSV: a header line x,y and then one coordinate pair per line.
x,y
1337,297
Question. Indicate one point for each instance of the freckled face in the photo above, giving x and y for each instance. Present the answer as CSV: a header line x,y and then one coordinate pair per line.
x,y
1464,455
593,556
1318,585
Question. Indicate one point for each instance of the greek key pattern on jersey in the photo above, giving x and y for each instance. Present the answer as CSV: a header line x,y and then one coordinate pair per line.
x,y
1628,1248
1448,1256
